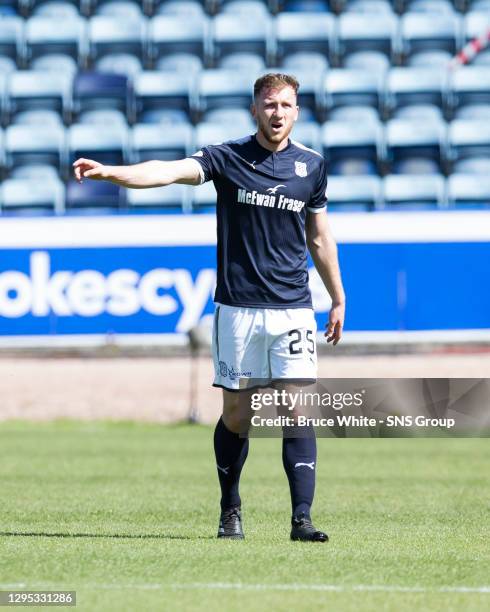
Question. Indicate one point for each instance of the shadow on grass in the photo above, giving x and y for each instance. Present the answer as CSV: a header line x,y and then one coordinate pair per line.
x,y
143,536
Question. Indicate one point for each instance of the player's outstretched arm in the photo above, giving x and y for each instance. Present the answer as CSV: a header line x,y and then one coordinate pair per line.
x,y
139,176
323,249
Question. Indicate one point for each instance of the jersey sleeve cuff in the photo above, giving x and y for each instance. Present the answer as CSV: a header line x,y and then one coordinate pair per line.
x,y
316,210
200,168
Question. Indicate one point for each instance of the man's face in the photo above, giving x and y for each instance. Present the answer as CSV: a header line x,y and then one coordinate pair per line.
x,y
275,111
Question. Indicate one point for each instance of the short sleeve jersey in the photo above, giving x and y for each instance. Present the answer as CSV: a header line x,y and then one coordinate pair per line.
x,y
262,201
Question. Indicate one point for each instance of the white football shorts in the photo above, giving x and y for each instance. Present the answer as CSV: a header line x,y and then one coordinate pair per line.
x,y
263,343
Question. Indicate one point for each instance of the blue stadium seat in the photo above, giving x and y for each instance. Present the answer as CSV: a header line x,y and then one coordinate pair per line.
x,y
303,32
107,117
99,90
164,142
429,31
230,116
408,140
55,62
473,111
178,34
354,193
355,114
175,198
110,35
204,197
469,138
482,59
45,35
34,171
410,192
164,116
306,6
470,85
476,23
29,144
308,134
7,65
472,165
210,133
120,9
241,33
120,63
419,112
374,61
32,195
431,6
407,86
430,59
253,8
33,90
38,117
169,90
243,62
185,63
304,60
222,88
96,196
185,8
105,144
351,87
11,40
469,190
368,7
357,32
56,10
344,141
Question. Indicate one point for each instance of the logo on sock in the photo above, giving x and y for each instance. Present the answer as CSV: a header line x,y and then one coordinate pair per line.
x,y
224,469
310,465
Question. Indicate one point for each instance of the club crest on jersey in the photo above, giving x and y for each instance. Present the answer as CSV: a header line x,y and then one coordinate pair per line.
x,y
300,169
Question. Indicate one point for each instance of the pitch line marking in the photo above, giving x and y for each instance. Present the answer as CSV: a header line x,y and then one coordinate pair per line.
x,y
267,587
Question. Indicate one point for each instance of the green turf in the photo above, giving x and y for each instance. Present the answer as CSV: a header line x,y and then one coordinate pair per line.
x,y
126,514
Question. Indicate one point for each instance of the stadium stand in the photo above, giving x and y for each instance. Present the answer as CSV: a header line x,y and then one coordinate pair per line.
x,y
125,81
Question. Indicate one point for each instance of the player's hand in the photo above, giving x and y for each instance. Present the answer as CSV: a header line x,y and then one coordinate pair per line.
x,y
335,323
88,168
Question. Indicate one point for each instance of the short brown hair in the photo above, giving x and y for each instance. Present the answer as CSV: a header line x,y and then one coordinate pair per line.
x,y
275,80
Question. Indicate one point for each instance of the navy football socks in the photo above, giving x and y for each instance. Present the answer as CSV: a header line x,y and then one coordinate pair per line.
x,y
231,452
299,460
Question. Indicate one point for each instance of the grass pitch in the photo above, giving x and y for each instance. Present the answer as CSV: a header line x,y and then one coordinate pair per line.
x,y
126,514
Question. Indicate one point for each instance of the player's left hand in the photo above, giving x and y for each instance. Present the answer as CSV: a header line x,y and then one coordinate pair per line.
x,y
335,323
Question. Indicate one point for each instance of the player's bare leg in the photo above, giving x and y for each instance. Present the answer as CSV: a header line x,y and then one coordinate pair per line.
x,y
231,450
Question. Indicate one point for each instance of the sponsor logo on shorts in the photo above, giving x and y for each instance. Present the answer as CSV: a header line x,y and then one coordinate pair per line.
x,y
223,369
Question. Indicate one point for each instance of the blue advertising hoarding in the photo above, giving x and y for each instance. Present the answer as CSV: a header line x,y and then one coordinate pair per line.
x,y
156,275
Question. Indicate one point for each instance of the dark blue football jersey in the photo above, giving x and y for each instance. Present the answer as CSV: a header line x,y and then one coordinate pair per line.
x,y
262,200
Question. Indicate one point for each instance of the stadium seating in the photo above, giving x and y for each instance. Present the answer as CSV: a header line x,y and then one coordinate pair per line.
x,y
178,34
32,195
411,192
108,144
35,144
354,193
221,88
174,198
469,190
312,32
204,197
127,80
413,140
45,35
94,196
165,90
165,142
